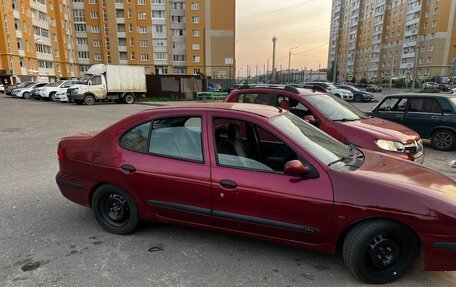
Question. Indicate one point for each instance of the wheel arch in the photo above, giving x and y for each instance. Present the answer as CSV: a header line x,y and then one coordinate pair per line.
x,y
342,235
434,129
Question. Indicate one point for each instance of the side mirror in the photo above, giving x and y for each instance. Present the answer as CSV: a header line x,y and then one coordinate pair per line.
x,y
295,168
311,119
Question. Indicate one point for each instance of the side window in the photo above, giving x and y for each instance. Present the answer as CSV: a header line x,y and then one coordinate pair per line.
x,y
136,139
178,137
298,109
262,99
96,80
240,144
424,106
393,104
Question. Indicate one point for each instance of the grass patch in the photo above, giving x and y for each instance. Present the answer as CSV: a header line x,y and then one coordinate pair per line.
x,y
429,90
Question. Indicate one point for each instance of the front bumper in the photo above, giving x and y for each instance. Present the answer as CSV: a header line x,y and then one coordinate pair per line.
x,y
439,252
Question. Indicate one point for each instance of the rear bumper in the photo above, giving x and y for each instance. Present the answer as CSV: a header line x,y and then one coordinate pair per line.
x,y
439,252
74,189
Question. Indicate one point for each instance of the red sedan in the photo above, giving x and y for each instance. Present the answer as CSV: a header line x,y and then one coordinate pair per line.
x,y
262,172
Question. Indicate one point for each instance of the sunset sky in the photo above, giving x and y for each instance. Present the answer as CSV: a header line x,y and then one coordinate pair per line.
x,y
296,23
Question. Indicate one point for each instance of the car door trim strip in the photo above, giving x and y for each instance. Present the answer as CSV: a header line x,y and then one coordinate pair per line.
x,y
184,207
264,221
234,216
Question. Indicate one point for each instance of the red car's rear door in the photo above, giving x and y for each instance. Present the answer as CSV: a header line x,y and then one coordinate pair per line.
x,y
249,197
171,176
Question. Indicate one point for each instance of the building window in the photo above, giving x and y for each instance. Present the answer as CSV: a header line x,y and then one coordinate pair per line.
x,y
78,15
195,6
81,41
93,15
143,43
132,42
97,56
142,29
95,29
195,20
92,1
132,56
96,43
142,15
196,71
130,27
129,13
195,33
141,2
83,55
195,46
160,56
144,57
196,59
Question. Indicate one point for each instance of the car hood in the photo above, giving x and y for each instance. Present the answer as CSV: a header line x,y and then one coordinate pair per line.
x,y
405,174
383,129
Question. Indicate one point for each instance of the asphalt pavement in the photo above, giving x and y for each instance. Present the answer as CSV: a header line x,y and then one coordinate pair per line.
x,y
47,240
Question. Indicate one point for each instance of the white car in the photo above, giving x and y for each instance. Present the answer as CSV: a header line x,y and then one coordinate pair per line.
x,y
61,96
453,91
331,89
2,88
49,92
26,91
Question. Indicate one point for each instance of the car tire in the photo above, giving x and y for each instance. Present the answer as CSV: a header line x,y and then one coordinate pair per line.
x,y
380,251
128,99
89,100
115,210
358,98
443,140
26,95
52,96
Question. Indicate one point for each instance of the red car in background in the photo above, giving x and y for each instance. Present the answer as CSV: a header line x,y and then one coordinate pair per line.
x,y
262,172
338,118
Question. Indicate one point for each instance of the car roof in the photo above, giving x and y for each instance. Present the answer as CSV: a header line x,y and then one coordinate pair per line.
x,y
305,91
260,110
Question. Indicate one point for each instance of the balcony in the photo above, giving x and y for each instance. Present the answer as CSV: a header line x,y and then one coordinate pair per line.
x,y
408,55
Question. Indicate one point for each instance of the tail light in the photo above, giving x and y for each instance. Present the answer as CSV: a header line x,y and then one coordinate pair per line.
x,y
60,152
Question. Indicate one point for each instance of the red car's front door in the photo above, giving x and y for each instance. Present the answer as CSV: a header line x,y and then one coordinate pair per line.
x,y
251,194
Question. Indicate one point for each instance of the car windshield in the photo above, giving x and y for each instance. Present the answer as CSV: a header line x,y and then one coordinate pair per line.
x,y
336,109
453,103
29,85
310,138
56,84
85,79
332,87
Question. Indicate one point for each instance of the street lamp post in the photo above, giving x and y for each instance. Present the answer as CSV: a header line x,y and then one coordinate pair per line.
x,y
289,62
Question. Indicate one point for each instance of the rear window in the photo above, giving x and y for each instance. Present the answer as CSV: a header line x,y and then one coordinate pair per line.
x,y
424,106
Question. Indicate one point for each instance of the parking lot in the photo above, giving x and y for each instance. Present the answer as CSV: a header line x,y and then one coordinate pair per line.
x,y
47,240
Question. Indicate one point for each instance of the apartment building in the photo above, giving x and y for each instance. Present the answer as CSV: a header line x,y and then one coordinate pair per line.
x,y
380,39
165,36
37,40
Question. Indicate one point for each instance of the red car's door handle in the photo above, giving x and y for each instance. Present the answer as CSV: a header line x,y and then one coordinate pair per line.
x,y
228,183
128,168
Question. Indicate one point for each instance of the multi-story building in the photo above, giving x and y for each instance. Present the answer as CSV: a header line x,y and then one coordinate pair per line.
x,y
166,36
383,39
36,40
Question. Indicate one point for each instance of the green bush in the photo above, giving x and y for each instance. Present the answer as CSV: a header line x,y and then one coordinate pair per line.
x,y
429,90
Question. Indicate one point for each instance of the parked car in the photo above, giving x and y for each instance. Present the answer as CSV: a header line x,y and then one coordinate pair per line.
x,y
2,88
26,91
333,90
12,87
432,116
444,88
430,85
374,89
262,172
358,95
338,118
453,91
61,96
48,92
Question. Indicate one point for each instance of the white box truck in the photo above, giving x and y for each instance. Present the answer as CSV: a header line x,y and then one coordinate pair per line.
x,y
120,83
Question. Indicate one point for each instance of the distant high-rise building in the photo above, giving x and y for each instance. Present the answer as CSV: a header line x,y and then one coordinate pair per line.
x,y
166,36
37,39
379,39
